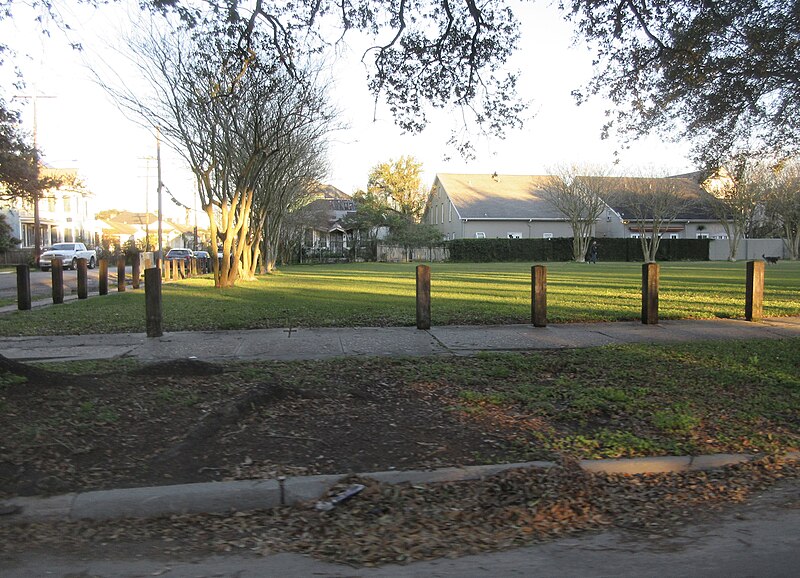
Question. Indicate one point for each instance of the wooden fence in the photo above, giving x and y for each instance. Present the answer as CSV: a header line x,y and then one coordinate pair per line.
x,y
395,254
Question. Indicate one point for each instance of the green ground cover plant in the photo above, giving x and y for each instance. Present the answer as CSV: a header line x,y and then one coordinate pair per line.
x,y
382,294
604,402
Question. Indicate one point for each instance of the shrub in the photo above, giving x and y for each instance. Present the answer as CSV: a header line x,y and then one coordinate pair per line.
x,y
560,249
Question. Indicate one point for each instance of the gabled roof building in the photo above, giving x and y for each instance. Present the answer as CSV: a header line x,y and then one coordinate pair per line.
x,y
515,206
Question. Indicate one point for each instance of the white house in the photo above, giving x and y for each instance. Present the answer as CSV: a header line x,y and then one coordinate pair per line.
x,y
66,213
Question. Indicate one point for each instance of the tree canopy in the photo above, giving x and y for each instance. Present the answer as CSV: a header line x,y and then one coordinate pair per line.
x,y
426,53
399,183
18,174
724,74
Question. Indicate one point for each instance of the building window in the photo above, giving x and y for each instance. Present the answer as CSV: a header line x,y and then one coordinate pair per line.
x,y
450,212
702,235
67,204
673,235
547,235
51,204
635,236
515,235
480,235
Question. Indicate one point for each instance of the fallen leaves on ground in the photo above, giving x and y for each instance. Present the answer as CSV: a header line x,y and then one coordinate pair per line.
x,y
402,523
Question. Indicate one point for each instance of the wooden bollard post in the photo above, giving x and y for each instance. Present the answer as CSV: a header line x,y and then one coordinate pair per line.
x,y
173,267
57,275
83,279
539,296
121,274
650,273
136,271
754,296
181,269
423,297
152,300
103,279
23,288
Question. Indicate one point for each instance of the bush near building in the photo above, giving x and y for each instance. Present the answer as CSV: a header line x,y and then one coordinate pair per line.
x,y
560,249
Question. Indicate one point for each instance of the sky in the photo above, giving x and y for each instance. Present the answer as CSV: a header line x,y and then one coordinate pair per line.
x,y
80,126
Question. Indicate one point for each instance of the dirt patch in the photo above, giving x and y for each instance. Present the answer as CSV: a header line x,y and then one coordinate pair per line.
x,y
179,422
158,425
153,426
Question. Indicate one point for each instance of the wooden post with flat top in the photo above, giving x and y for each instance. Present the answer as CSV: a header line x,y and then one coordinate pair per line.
x,y
423,297
136,271
754,296
121,274
152,300
23,287
83,279
650,274
103,280
57,275
539,296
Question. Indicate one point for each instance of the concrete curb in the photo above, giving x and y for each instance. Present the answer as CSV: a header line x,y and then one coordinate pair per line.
x,y
221,497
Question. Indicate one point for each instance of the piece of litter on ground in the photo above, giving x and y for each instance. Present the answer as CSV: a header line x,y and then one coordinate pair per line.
x,y
324,506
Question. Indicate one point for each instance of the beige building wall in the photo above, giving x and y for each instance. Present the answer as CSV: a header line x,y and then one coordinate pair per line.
x,y
442,214
522,228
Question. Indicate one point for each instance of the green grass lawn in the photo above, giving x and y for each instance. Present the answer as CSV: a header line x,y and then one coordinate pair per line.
x,y
382,294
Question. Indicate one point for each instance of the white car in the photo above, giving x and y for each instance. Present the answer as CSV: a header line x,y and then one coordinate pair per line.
x,y
69,253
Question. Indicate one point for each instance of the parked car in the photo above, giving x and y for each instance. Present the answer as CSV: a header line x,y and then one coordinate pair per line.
x,y
69,253
202,255
185,255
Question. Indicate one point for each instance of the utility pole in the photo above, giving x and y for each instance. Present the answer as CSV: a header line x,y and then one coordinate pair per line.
x,y
147,202
160,186
37,226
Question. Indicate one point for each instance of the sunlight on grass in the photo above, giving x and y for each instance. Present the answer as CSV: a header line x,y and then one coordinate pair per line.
x,y
382,294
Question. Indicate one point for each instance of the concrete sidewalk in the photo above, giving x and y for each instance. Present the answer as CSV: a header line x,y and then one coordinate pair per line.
x,y
322,343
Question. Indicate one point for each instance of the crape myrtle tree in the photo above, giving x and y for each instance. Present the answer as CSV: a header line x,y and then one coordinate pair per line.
x,y
228,118
724,74
782,204
578,193
735,193
653,203
288,182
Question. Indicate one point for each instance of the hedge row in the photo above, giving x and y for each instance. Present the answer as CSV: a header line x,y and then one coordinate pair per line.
x,y
560,249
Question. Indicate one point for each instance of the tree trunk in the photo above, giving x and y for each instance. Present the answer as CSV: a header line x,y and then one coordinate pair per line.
x,y
792,241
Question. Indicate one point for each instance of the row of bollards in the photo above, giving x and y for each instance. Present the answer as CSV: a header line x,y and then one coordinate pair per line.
x,y
754,294
172,270
82,267
153,276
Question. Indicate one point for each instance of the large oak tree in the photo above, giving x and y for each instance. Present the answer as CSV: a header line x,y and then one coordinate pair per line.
x,y
724,74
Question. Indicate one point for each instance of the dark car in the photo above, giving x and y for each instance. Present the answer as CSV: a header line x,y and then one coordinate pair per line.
x,y
185,255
